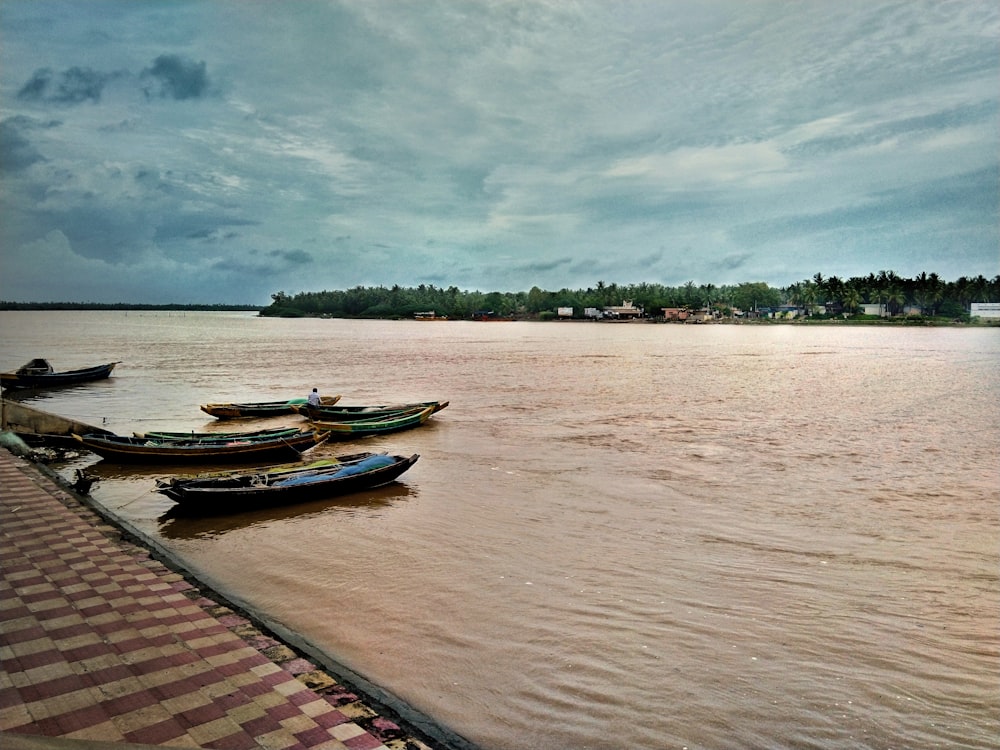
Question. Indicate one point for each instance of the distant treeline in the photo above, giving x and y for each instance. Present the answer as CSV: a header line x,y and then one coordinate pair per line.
x,y
120,306
928,292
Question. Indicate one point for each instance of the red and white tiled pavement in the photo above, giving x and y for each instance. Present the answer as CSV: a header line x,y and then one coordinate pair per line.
x,y
98,641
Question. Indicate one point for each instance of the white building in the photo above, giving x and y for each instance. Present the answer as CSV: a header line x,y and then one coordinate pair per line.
x,y
872,309
985,310
626,310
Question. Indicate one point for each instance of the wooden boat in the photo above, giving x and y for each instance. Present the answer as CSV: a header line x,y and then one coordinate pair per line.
x,y
270,469
246,491
39,373
377,426
261,408
219,436
338,413
133,449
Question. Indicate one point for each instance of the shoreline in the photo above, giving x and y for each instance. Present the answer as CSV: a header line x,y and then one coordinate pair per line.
x,y
377,711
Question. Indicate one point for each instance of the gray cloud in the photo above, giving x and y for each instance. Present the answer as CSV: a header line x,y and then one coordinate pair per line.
x,y
735,261
72,86
256,263
169,77
952,202
983,112
175,77
17,151
293,257
492,147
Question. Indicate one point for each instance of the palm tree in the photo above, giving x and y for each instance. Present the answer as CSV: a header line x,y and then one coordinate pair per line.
x,y
822,288
708,291
895,298
928,292
852,299
810,293
834,289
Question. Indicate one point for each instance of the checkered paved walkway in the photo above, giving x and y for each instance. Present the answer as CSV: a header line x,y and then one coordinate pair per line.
x,y
100,642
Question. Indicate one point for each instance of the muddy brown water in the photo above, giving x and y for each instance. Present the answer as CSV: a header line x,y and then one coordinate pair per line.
x,y
617,535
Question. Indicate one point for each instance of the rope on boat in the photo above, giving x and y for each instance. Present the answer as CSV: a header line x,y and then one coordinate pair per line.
x,y
137,497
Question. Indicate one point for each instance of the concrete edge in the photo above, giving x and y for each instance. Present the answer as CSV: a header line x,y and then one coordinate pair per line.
x,y
413,721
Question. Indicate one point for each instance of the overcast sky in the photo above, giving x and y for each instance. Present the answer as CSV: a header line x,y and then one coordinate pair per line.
x,y
214,151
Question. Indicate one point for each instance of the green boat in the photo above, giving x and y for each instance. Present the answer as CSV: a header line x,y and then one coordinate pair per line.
x,y
397,422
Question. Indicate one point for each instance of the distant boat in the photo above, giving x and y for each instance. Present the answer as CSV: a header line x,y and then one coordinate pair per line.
x,y
337,413
488,316
261,408
396,422
141,450
242,491
39,373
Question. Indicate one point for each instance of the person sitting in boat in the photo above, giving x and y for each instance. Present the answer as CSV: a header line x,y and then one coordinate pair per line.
x,y
313,398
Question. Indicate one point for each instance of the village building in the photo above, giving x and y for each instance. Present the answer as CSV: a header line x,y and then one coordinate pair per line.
x,y
675,313
625,310
985,310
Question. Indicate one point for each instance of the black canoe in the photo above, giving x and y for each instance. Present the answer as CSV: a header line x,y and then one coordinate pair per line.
x,y
133,450
216,437
243,491
261,408
38,373
338,413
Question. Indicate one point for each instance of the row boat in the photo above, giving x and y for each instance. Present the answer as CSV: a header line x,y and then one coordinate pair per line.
x,y
338,413
122,448
245,491
289,468
217,436
395,422
39,373
261,408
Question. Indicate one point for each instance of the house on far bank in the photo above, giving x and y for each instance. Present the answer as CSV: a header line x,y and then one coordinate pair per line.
x,y
786,312
985,310
625,310
882,311
675,313
703,315
687,315
872,309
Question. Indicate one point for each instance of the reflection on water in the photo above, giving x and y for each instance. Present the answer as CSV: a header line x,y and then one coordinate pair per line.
x,y
176,525
39,395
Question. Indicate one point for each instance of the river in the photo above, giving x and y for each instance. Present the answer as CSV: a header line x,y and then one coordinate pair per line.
x,y
617,535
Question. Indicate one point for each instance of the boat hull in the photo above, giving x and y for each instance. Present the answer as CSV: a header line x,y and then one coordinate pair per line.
x,y
220,497
25,379
356,413
367,428
137,450
261,408
210,437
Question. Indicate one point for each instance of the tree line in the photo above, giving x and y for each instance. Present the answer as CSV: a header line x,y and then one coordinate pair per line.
x,y
5,305
927,292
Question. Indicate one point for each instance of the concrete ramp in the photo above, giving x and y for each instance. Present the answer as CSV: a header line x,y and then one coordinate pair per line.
x,y
27,420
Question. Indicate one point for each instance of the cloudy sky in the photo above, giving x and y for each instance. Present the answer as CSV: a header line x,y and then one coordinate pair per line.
x,y
220,151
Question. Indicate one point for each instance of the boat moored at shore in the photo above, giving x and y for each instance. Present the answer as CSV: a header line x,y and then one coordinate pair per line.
x,y
38,373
